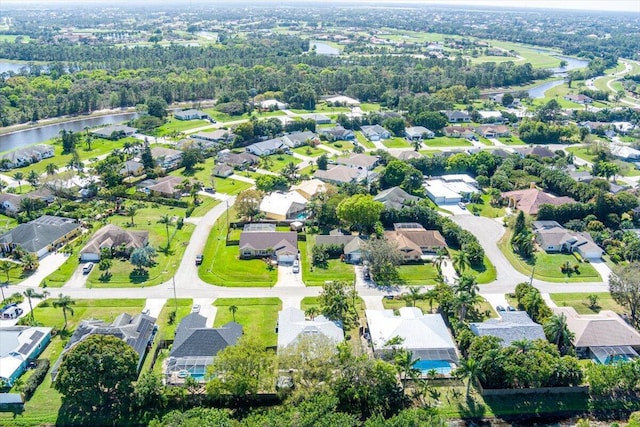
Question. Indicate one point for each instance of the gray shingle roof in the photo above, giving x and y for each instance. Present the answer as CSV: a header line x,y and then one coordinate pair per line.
x,y
193,338
512,326
39,233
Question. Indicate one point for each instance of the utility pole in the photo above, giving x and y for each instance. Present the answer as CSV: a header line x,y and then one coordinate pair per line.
x,y
175,299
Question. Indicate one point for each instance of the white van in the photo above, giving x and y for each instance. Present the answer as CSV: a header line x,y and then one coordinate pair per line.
x,y
296,266
12,312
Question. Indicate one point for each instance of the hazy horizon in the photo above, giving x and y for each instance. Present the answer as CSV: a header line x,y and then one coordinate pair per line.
x,y
591,5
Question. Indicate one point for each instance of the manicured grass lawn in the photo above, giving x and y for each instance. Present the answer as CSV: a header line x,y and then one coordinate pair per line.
x,y
222,266
322,107
547,266
175,125
258,316
396,143
104,309
364,141
368,106
483,274
423,273
279,161
309,151
582,152
580,301
202,174
12,38
485,208
315,276
146,219
340,145
536,59
59,277
445,141
511,140
223,117
207,203
7,223
230,185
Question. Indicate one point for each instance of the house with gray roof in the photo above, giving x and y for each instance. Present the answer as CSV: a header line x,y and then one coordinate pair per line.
x,y
457,116
167,186
320,119
337,133
195,347
511,326
190,114
268,147
240,161
282,246
375,132
298,139
359,161
222,171
292,325
114,132
339,174
10,203
395,198
536,150
418,133
26,155
132,168
166,158
216,136
552,237
113,238
351,245
137,331
40,236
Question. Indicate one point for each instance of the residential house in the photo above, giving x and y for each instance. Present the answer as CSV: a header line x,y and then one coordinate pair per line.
x,y
343,100
414,241
137,331
424,335
10,203
113,238
310,188
359,161
536,150
405,155
395,198
190,114
511,326
166,158
459,132
283,246
624,152
11,402
493,131
19,346
168,186
218,136
40,236
490,116
350,243
578,98
273,104
604,337
268,147
283,206
114,132
375,132
240,161
594,126
195,347
292,325
552,237
26,156
320,119
222,171
457,116
337,133
453,188
418,133
503,154
298,139
339,174
132,168
530,200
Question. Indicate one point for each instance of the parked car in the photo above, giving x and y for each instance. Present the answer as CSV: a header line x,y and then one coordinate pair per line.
x,y
509,308
296,266
199,259
87,268
500,308
195,308
209,189
12,312
462,205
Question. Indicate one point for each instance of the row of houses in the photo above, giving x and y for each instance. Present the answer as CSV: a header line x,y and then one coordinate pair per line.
x,y
485,131
26,156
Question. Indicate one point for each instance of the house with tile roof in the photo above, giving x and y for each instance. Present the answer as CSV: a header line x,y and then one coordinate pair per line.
x,y
418,133
395,198
195,347
309,188
113,238
266,148
292,325
530,200
359,161
414,241
167,186
511,326
339,174
552,237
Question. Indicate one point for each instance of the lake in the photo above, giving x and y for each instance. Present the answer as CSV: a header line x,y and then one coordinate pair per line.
x,y
325,49
22,138
5,67
537,92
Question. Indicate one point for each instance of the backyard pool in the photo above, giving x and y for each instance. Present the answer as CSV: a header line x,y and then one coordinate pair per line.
x,y
440,366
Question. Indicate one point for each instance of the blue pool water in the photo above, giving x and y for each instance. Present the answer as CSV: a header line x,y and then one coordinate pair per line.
x,y
302,216
440,366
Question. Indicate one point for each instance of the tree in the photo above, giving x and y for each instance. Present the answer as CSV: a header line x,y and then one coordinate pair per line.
x,y
69,140
322,162
147,158
593,301
33,178
290,172
335,301
557,331
395,125
414,294
404,361
432,120
166,220
520,224
470,370
149,392
131,211
193,418
313,358
360,211
624,286
190,158
30,293
247,203
19,176
29,261
96,378
383,257
233,308
6,266
142,258
31,204
241,370
105,264
51,169
461,261
507,99
64,302
312,312
157,107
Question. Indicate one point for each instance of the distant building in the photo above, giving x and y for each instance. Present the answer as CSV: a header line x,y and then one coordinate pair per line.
x,y
343,100
359,161
283,206
578,99
530,200
375,132
448,189
40,236
511,326
114,132
310,188
268,147
457,116
273,104
418,133
190,115
340,174
166,158
395,198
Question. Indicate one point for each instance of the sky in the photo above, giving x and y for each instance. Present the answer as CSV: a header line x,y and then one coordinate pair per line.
x,y
607,5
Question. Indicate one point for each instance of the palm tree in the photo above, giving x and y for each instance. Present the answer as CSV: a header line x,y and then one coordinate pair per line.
x,y
467,283
469,369
166,220
431,296
131,211
290,171
522,346
417,144
195,187
19,176
405,363
463,301
461,261
233,309
312,312
6,266
64,302
414,295
33,178
51,169
3,185
30,293
557,331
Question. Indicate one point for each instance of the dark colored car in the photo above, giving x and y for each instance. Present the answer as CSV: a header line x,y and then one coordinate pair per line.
x,y
199,259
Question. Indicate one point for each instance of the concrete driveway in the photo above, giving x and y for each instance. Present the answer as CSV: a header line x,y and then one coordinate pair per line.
x,y
207,309
79,279
48,265
154,305
287,278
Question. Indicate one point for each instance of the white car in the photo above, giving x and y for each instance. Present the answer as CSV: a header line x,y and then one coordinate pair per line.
x,y
195,308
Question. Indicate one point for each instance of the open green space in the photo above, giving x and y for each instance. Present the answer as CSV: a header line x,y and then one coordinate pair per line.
x,y
11,38
485,208
309,151
7,223
206,204
583,153
323,108
445,141
277,162
535,58
419,273
511,140
364,141
428,306
222,266
396,142
548,266
224,117
497,59
258,316
202,174
177,126
580,301
316,276
369,106
103,309
341,145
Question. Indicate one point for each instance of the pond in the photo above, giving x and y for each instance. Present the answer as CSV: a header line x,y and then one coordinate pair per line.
x,y
537,92
325,49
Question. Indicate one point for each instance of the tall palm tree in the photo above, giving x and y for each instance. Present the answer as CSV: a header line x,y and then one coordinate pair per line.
x,y
30,293
463,301
3,185
467,283
461,261
64,302
166,220
522,346
131,211
19,176
233,309
312,312
6,266
405,363
51,169
557,331
33,178
290,171
470,370
195,187
414,295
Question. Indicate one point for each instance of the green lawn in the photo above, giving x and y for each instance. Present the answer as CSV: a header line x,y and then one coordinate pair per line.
x,y
323,108
511,140
369,106
485,208
7,223
396,143
580,301
146,219
536,59
316,276
12,38
309,151
547,266
59,277
223,267
175,125
341,145
364,141
423,273
202,173
258,316
223,117
582,153
445,141
279,161
207,203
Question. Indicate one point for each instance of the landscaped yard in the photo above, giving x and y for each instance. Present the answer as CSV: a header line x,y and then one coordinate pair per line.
x,y
340,145
484,308
206,204
511,140
396,143
547,266
580,301
483,274
316,276
423,273
583,153
485,208
309,151
364,141
258,316
202,174
222,266
178,126
279,161
445,141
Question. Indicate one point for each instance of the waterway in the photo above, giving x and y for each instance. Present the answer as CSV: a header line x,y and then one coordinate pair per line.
x,y
325,49
537,92
22,138
15,67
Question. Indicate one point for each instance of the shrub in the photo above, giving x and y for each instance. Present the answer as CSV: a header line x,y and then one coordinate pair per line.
x,y
42,366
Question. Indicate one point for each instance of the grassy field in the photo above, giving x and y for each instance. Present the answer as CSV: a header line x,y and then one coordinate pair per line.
x,y
223,267
223,117
445,141
202,174
344,146
396,143
536,59
7,223
485,208
258,316
206,204
423,273
315,276
580,301
369,106
12,38
364,141
511,140
309,151
547,266
175,125
279,161
582,153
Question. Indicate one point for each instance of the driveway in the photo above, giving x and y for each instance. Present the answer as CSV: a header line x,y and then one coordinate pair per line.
x,y
48,265
154,305
207,309
287,278
78,278
603,269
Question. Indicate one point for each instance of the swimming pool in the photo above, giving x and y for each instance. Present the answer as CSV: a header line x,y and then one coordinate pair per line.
x,y
440,366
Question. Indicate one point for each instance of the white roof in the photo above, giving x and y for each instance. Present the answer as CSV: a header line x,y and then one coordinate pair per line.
x,y
280,203
310,186
292,324
268,103
419,331
343,100
18,343
624,151
490,114
458,177
438,188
